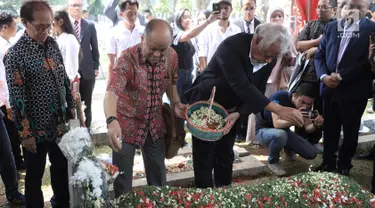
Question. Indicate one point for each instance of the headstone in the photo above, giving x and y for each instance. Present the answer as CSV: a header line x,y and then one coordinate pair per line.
x,y
75,200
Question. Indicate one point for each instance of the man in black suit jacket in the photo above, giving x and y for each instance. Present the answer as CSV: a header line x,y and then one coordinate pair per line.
x,y
247,22
346,83
239,90
89,64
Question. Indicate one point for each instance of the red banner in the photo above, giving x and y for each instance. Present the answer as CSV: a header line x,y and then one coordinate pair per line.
x,y
307,9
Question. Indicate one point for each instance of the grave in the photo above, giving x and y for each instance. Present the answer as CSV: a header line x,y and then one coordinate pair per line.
x,y
180,168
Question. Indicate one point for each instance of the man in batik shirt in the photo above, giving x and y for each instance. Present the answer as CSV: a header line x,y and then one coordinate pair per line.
x,y
133,105
39,89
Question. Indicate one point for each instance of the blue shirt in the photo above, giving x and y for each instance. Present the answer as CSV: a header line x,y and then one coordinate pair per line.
x,y
264,118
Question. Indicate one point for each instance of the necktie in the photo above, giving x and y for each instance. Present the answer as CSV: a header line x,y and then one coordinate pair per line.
x,y
248,27
76,29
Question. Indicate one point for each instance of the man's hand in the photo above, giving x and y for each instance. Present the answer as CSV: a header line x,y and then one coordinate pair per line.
x,y
179,110
331,81
292,115
114,135
9,114
231,119
320,38
30,144
319,121
96,72
213,17
311,52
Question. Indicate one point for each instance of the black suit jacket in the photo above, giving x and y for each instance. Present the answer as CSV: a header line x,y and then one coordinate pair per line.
x,y
231,71
239,22
90,51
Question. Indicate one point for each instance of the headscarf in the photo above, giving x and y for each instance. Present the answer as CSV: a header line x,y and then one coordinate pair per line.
x,y
272,10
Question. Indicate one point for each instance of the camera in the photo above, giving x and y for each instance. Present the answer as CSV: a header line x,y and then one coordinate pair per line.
x,y
310,114
215,7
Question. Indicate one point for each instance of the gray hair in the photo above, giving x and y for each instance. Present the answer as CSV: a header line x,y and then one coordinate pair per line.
x,y
273,34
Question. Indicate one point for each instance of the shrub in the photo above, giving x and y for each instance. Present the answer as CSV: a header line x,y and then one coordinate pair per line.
x,y
303,190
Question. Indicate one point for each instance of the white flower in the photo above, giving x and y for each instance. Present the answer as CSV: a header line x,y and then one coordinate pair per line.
x,y
74,142
87,172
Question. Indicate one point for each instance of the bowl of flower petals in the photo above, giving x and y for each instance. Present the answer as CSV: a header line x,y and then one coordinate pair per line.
x,y
206,120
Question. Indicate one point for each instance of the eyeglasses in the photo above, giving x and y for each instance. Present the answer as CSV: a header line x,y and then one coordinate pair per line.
x,y
41,27
76,5
323,8
185,17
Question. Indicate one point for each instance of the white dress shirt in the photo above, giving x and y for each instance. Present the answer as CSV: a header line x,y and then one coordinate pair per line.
x,y
4,92
121,39
251,26
69,47
211,38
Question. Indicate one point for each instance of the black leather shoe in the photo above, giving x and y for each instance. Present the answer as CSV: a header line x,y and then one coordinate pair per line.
x,y
344,172
325,168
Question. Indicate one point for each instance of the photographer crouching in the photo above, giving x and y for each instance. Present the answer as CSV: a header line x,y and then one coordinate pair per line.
x,y
274,132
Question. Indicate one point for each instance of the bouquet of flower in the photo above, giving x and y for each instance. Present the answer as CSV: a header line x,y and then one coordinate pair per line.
x,y
91,177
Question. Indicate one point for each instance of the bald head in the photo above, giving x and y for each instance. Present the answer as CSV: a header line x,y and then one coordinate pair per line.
x,y
156,40
158,26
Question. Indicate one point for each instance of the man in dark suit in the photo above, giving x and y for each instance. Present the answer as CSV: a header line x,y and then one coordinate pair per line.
x,y
248,22
239,90
89,64
346,82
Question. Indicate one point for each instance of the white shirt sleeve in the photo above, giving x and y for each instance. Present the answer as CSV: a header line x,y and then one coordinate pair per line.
x,y
72,48
202,44
4,92
111,44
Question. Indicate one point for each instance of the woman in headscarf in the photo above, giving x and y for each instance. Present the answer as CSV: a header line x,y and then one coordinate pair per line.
x,y
280,75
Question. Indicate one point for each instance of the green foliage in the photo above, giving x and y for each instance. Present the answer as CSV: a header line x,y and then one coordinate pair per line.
x,y
184,4
162,7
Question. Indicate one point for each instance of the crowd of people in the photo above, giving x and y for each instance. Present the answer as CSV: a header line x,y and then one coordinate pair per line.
x,y
248,62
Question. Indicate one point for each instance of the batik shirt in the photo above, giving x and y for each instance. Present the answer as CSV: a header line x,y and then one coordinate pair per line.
x,y
139,87
39,88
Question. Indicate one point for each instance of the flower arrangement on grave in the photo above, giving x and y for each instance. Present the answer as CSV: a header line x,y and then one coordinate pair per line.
x,y
200,118
303,190
91,176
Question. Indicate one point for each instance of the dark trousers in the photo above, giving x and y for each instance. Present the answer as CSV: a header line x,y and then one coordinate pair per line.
x,y
35,165
217,156
184,82
14,136
86,88
7,166
347,114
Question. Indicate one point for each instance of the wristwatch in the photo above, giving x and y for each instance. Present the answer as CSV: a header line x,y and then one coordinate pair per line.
x,y
110,119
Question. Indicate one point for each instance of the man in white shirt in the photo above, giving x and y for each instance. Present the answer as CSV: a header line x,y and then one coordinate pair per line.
x,y
126,34
8,31
216,33
8,130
